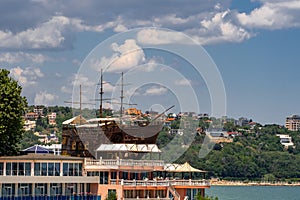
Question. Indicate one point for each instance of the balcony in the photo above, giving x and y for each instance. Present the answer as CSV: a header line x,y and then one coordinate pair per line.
x,y
127,162
165,183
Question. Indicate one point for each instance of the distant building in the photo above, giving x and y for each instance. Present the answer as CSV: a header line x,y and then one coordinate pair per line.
x,y
242,121
38,110
292,122
133,111
29,125
176,131
31,116
52,118
285,140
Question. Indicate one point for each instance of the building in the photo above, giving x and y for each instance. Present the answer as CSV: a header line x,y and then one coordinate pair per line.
x,y
29,125
45,176
285,140
32,116
48,176
133,111
292,122
52,118
129,165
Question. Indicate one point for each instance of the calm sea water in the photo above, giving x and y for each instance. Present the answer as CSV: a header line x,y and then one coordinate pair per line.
x,y
254,192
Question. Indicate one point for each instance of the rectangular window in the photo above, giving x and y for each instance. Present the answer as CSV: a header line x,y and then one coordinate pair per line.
x,y
44,169
14,169
50,169
57,169
40,189
21,169
8,190
27,169
1,169
24,189
8,169
55,189
37,169
65,169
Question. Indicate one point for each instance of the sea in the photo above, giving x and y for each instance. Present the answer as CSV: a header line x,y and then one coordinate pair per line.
x,y
254,192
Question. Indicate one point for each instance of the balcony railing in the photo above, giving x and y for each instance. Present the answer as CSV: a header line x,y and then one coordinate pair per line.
x,y
160,182
127,162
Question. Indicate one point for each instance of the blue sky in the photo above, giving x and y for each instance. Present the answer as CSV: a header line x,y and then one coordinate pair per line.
x,y
254,44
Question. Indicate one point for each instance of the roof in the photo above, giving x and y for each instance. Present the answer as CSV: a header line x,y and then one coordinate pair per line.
x,y
74,120
186,167
129,147
37,149
32,156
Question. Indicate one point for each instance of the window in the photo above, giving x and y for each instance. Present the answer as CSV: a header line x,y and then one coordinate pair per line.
x,y
8,169
37,169
72,169
103,177
40,189
47,169
18,169
8,190
1,169
55,189
24,189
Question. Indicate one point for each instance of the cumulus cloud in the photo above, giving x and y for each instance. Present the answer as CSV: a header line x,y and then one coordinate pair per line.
x,y
20,57
44,98
182,82
155,36
124,57
26,77
50,34
155,91
272,15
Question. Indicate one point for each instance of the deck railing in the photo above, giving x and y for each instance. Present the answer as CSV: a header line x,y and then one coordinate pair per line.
x,y
127,162
160,182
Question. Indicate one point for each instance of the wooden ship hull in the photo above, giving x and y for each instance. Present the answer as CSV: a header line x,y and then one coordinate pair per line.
x,y
83,140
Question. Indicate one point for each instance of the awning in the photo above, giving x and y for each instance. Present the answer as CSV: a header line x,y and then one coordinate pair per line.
x,y
75,120
37,149
186,167
137,148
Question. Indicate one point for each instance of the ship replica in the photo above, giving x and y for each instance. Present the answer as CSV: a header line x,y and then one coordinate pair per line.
x,y
82,138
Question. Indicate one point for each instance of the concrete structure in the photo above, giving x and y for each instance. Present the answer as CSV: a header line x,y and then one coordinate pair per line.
x,y
285,140
292,122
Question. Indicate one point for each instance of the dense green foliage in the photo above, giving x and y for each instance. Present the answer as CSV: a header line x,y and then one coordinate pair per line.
x,y
12,108
256,155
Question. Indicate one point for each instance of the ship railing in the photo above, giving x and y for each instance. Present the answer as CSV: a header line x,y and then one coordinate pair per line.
x,y
121,162
160,182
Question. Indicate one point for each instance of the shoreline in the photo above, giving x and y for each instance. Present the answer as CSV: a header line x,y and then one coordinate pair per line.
x,y
240,183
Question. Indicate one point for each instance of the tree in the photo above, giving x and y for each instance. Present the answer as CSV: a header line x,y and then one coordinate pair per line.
x,y
12,108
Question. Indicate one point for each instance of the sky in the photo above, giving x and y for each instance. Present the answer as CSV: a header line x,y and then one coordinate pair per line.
x,y
228,57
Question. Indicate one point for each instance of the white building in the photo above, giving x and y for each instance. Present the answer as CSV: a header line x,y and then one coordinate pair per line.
x,y
285,140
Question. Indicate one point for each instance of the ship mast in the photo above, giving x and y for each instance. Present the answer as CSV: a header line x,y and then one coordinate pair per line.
x,y
122,95
101,95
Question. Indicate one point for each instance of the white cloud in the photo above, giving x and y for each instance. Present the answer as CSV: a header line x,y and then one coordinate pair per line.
x,y
272,15
183,82
124,57
219,28
44,98
50,34
19,57
26,77
155,36
155,91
